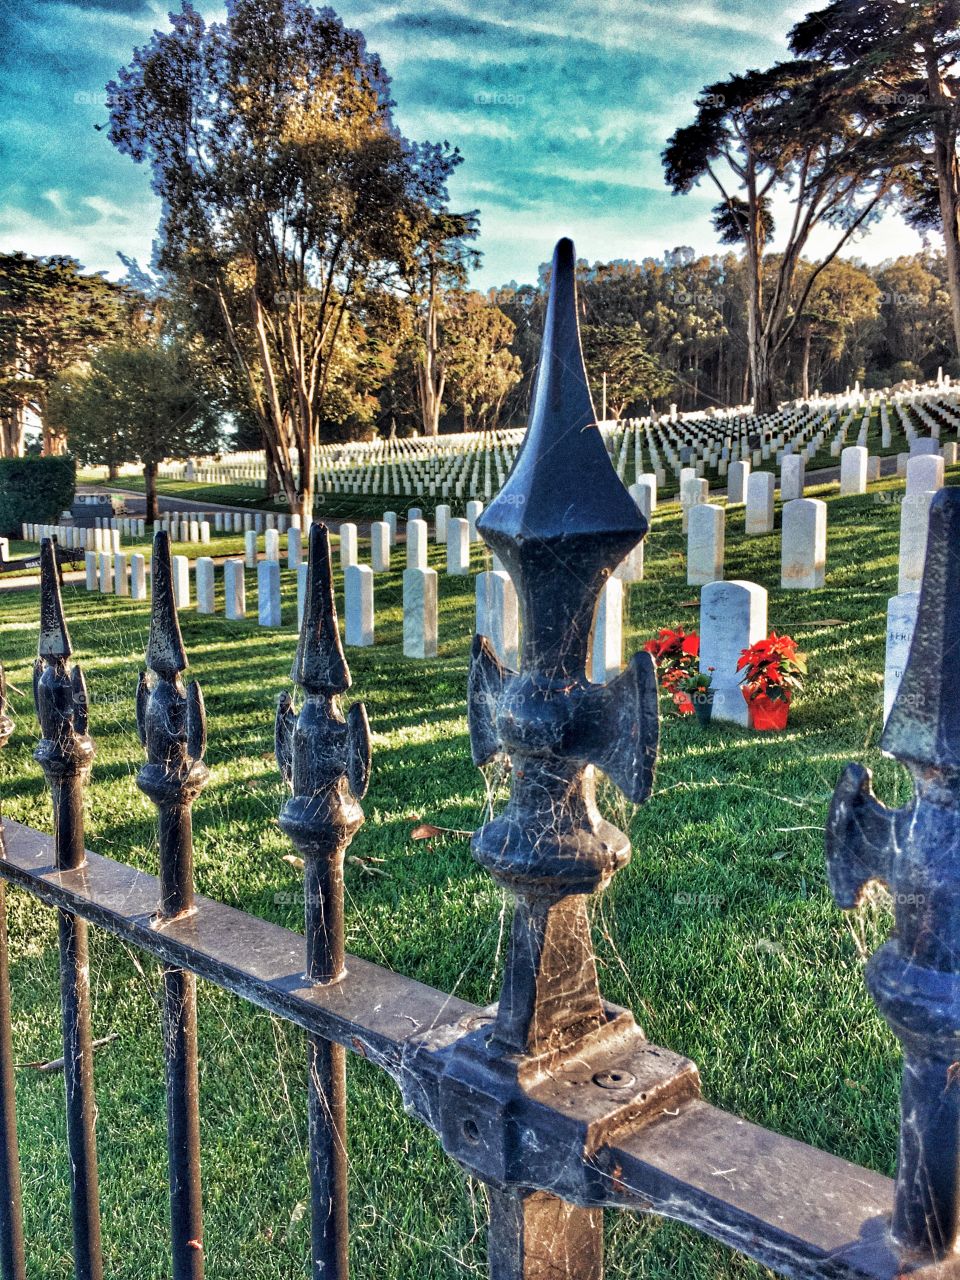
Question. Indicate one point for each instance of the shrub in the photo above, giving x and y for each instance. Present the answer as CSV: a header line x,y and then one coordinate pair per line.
x,y
34,491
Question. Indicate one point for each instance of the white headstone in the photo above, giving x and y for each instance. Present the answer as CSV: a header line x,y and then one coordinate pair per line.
x,y
121,582
358,598
441,520
91,566
181,582
498,615
138,577
606,642
901,621
294,547
106,572
416,544
733,616
380,546
419,613
348,544
390,517
250,549
644,494
792,475
803,544
925,472
268,593
738,474
204,573
474,511
853,470
458,548
948,453
924,445
705,545
914,519
760,494
234,588
301,591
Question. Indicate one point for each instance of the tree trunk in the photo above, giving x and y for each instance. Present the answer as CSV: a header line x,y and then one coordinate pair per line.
x,y
805,367
150,489
113,470
764,395
948,187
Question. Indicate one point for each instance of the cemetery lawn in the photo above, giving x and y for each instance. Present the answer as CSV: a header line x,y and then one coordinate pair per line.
x,y
721,934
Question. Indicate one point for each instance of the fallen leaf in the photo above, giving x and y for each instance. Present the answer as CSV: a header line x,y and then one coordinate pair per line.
x,y
294,861
427,831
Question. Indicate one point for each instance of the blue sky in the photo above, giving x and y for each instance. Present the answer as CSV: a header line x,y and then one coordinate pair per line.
x,y
561,110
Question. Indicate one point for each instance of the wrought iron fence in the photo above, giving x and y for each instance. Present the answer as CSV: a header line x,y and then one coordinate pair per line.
x,y
552,1097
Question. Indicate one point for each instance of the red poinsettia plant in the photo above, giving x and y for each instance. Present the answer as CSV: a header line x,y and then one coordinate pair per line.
x,y
676,656
772,668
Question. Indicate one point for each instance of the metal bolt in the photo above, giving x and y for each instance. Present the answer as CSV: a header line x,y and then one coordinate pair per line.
x,y
614,1079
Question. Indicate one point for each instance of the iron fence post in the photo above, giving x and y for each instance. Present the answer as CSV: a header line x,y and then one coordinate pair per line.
x,y
561,524
915,977
325,759
12,1259
65,753
172,727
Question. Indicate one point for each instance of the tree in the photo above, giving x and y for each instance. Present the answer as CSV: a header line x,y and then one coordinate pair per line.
x,y
51,315
438,265
289,197
634,376
916,308
793,126
480,368
134,404
843,297
903,59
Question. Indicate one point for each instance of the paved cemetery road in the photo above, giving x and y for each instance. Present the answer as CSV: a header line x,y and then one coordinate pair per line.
x,y
136,505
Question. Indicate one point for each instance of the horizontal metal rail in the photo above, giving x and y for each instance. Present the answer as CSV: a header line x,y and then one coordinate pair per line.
x,y
790,1206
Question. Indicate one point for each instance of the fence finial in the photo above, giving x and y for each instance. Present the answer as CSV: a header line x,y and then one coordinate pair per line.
x,y
319,665
561,524
54,636
165,652
325,760
915,977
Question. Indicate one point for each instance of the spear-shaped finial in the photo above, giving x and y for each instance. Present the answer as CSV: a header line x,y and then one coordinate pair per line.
x,y
165,652
319,665
915,977
171,722
325,760
54,638
560,524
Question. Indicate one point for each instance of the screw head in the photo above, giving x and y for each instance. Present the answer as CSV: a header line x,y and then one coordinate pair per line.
x,y
614,1078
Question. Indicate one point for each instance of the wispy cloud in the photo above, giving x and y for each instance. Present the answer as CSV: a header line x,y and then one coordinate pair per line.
x,y
561,110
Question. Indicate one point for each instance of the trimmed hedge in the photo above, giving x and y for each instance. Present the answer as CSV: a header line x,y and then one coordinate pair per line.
x,y
34,491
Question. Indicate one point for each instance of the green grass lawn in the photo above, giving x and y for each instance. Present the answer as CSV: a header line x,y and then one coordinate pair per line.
x,y
721,935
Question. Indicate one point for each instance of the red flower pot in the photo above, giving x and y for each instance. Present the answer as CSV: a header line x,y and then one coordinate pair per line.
x,y
767,713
